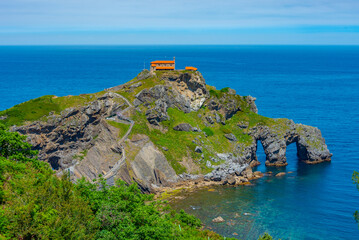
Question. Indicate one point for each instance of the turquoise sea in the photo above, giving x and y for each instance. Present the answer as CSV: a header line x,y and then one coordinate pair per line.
x,y
314,85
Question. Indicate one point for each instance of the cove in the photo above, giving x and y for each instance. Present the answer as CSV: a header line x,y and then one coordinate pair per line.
x,y
313,85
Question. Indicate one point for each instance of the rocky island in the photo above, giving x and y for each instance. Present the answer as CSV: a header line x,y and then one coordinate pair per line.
x,y
159,129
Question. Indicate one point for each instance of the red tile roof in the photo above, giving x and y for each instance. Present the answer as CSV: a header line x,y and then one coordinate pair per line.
x,y
155,62
191,68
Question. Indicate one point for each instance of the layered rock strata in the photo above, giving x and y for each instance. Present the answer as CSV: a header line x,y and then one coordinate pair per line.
x,y
81,141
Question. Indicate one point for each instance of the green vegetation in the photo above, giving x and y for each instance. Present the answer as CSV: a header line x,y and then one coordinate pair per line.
x,y
146,83
181,145
208,131
38,108
225,90
122,127
266,236
218,93
82,155
30,111
355,179
35,204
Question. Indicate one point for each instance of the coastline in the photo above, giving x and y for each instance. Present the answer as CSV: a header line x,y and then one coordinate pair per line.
x,y
191,185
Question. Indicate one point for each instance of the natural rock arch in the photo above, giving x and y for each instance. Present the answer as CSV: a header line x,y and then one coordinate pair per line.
x,y
311,147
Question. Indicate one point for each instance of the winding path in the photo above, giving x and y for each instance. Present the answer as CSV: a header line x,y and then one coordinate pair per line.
x,y
110,174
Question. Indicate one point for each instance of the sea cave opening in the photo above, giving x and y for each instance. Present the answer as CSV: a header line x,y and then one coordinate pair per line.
x,y
261,157
291,155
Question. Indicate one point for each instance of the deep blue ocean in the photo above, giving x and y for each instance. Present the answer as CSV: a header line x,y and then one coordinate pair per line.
x,y
314,85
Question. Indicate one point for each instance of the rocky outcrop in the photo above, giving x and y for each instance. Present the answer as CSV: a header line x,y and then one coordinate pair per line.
x,y
158,113
185,91
76,135
144,75
185,127
81,141
311,147
229,104
150,167
231,137
189,88
218,220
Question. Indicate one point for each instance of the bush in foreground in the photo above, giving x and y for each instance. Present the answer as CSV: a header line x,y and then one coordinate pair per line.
x,y
35,204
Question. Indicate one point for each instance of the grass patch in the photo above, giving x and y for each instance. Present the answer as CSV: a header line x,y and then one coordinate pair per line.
x,y
122,127
146,84
225,130
218,93
208,131
179,144
30,111
38,108
224,90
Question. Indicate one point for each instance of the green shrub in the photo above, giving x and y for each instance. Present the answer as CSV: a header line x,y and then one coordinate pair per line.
x,y
265,236
214,93
208,131
35,204
225,90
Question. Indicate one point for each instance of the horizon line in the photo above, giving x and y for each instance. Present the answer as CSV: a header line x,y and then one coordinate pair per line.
x,y
189,44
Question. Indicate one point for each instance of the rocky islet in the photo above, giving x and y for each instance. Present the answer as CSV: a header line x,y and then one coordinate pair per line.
x,y
84,140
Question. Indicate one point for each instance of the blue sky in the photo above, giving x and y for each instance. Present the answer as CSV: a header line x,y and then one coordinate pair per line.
x,y
39,22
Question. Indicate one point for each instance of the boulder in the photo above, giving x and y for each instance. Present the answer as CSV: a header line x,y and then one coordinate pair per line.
x,y
194,129
231,91
242,180
218,220
209,119
243,125
231,180
144,75
216,178
158,113
135,85
186,127
258,174
198,149
231,137
248,173
218,118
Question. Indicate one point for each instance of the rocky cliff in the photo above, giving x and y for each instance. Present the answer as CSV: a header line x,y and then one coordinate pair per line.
x,y
157,129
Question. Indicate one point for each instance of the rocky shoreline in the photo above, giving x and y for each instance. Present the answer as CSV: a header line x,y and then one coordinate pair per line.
x,y
184,133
